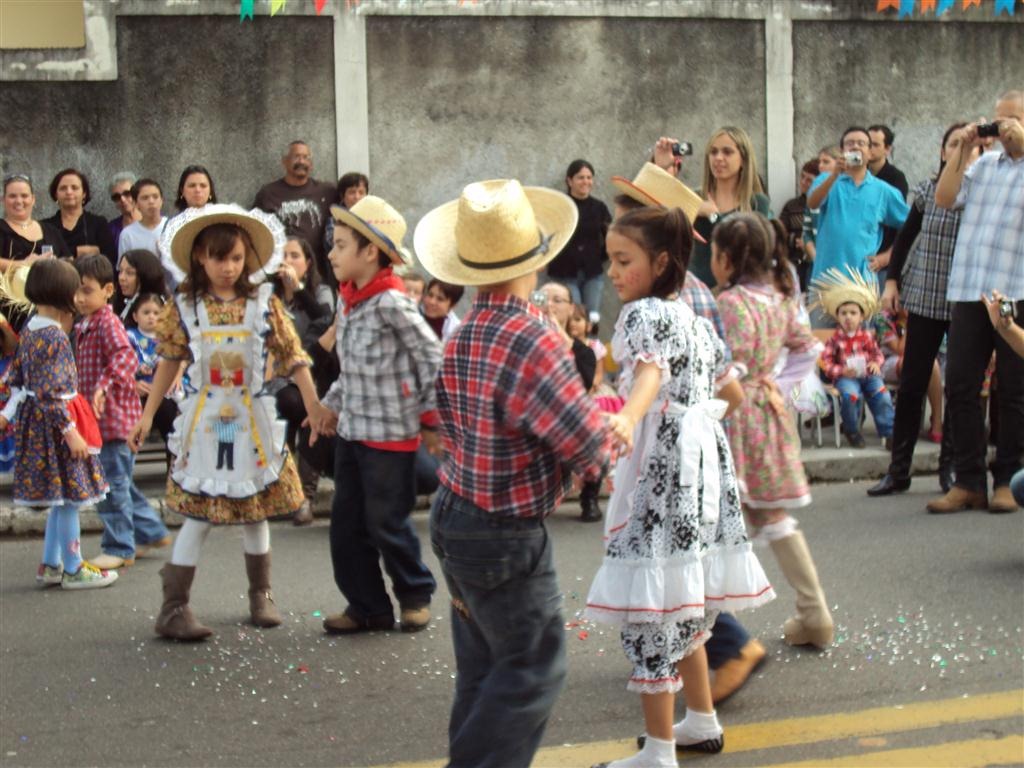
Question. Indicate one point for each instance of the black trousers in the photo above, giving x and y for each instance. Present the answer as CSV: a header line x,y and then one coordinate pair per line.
x,y
971,342
924,337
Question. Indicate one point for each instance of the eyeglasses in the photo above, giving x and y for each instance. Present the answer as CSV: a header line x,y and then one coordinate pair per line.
x,y
855,144
115,197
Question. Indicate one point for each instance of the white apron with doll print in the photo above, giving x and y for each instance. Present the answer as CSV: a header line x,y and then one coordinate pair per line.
x,y
227,439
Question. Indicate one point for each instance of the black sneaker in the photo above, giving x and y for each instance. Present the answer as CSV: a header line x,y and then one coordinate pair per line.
x,y
856,440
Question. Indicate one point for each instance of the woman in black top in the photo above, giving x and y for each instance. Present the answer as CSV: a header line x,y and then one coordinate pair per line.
x,y
580,265
22,238
85,233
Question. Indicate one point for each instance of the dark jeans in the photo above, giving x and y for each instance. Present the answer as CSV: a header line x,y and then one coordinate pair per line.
x,y
971,341
1017,487
373,498
426,472
727,640
924,337
506,629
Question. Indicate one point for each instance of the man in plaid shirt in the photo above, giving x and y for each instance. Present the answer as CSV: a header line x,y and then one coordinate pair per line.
x,y
515,422
106,377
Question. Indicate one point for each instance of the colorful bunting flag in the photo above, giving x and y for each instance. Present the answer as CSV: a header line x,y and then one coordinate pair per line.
x,y
886,4
276,6
906,8
944,5
320,5
969,3
927,5
245,12
1005,5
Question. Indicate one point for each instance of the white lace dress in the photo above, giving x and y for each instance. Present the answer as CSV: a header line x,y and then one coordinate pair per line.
x,y
676,547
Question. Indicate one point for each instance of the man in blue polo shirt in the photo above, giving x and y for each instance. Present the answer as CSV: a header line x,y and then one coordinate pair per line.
x,y
854,205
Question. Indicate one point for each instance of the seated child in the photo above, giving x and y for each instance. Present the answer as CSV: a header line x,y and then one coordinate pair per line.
x,y
852,360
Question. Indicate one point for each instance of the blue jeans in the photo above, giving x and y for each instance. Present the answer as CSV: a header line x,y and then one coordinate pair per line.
x,y
727,640
586,290
506,629
128,518
872,389
374,493
1017,487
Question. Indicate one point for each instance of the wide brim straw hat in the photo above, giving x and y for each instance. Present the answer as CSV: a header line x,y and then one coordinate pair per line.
x,y
837,287
376,220
264,229
656,186
496,231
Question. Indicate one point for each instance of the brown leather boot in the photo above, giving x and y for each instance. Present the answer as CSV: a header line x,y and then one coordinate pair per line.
x,y
176,620
261,603
812,624
1002,501
958,499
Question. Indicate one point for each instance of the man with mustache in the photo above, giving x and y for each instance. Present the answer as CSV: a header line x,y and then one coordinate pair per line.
x,y
300,201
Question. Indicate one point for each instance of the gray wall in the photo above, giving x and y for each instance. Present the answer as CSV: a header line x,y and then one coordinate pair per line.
x,y
199,89
924,77
458,99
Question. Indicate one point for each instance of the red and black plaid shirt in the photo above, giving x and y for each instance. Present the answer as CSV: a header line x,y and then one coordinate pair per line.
x,y
514,416
106,361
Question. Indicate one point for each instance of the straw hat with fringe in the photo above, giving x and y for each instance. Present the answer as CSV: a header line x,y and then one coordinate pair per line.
x,y
837,287
496,231
375,219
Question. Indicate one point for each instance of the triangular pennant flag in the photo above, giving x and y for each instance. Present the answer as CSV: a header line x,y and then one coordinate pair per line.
x,y
276,6
927,5
906,8
1005,5
245,10
944,6
969,3
319,5
884,5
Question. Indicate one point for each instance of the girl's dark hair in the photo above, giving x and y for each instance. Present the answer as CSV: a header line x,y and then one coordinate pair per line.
x,y
945,138
657,231
86,196
149,273
217,241
349,180
144,298
451,292
179,202
627,203
53,283
383,260
575,167
312,281
756,248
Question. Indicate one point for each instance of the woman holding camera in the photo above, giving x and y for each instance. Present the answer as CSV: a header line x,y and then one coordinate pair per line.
x,y
916,281
580,265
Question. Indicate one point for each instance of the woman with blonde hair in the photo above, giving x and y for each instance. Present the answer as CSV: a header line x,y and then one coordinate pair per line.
x,y
729,184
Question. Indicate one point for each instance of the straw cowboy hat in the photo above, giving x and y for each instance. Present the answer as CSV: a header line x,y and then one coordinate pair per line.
x,y
496,231
264,229
835,288
656,186
376,220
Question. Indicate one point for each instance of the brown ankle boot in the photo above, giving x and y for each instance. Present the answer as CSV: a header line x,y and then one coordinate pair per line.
x,y
261,602
958,499
812,624
176,620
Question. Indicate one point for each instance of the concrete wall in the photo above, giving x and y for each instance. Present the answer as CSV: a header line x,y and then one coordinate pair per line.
x,y
917,78
194,89
457,99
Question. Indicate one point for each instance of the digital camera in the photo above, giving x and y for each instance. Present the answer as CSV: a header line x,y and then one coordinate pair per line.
x,y
682,148
1006,308
988,130
853,158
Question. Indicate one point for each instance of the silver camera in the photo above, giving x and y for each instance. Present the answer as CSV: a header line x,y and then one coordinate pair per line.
x,y
853,158
539,299
1006,308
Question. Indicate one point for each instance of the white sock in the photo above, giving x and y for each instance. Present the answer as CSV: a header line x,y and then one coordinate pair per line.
x,y
256,538
189,542
697,727
657,753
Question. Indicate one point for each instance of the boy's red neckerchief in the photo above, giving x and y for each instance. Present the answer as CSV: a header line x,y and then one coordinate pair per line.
x,y
384,280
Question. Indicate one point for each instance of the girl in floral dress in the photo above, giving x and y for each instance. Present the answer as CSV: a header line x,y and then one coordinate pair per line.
x,y
677,552
57,464
230,462
760,315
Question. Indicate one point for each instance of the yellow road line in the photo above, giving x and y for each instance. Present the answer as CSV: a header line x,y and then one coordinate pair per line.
x,y
803,730
976,753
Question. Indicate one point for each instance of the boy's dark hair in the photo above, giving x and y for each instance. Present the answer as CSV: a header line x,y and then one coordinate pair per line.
x,y
853,129
217,241
138,185
383,260
96,266
53,283
658,230
179,202
756,248
349,180
451,292
86,195
887,135
811,167
627,203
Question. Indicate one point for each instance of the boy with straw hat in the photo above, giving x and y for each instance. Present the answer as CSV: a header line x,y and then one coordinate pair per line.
x,y
515,421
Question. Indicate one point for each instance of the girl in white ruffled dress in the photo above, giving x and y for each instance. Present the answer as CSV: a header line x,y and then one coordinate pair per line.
x,y
677,550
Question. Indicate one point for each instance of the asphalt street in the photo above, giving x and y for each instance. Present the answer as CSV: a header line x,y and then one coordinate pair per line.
x,y
929,612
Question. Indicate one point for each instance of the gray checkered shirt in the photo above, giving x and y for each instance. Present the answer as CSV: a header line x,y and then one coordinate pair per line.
x,y
926,273
389,359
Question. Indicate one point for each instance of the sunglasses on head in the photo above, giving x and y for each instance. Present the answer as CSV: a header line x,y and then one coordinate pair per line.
x,y
115,197
17,177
